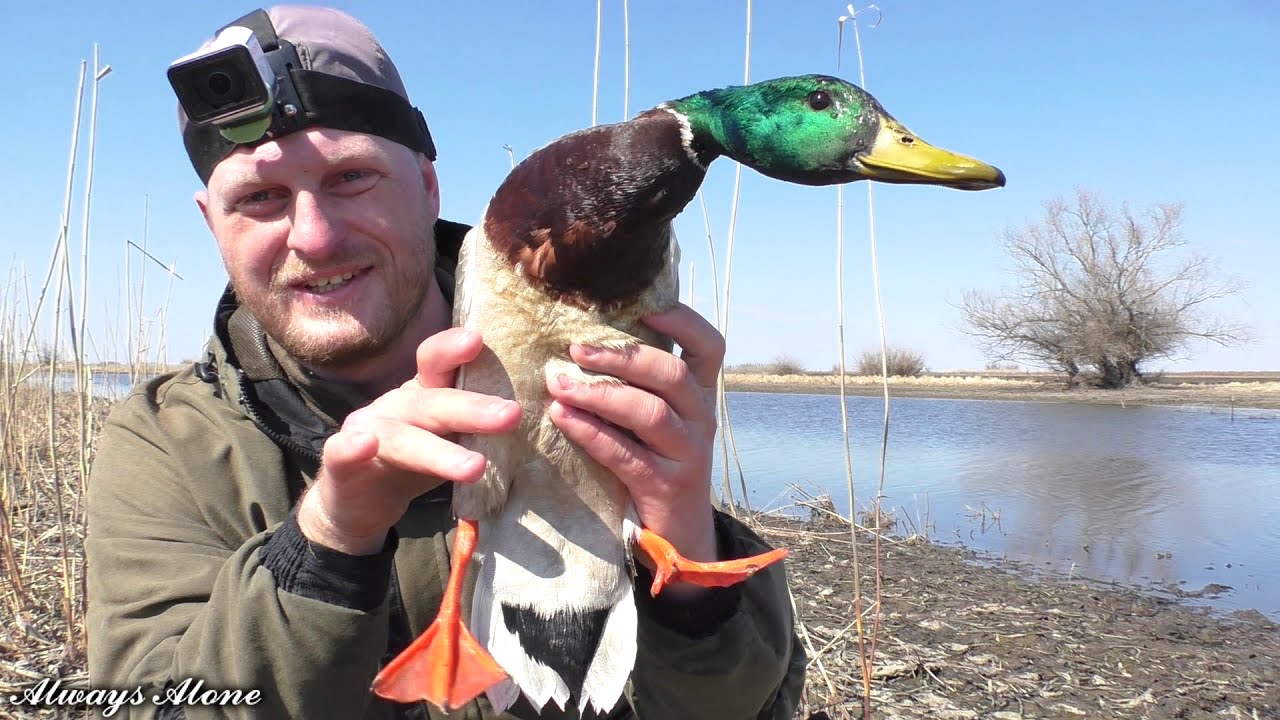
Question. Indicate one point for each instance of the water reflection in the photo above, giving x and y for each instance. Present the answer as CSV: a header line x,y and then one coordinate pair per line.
x,y
109,385
1134,494
1099,512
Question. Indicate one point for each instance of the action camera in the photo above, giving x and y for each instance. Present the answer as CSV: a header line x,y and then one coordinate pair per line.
x,y
228,83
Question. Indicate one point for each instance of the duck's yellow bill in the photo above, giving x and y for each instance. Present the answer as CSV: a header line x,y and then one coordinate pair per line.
x,y
898,156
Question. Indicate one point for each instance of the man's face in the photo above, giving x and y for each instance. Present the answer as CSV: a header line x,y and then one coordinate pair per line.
x,y
327,238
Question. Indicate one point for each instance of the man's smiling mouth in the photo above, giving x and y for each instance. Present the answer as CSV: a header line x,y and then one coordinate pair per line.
x,y
324,285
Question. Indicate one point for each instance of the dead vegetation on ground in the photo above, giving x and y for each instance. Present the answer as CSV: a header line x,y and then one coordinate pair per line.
x,y
960,639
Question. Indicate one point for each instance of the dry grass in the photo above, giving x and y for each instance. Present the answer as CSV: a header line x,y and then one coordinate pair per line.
x,y
42,608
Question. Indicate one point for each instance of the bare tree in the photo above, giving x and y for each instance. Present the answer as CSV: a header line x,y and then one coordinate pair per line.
x,y
1098,291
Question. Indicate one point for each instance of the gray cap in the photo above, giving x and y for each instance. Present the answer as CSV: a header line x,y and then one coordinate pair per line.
x,y
342,81
335,43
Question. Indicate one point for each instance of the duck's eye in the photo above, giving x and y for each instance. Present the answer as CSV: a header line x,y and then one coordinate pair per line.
x,y
819,100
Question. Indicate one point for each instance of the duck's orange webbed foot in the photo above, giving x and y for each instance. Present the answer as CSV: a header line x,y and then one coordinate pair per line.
x,y
445,666
670,565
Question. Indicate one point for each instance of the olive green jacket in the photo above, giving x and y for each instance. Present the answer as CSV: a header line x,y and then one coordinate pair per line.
x,y
197,570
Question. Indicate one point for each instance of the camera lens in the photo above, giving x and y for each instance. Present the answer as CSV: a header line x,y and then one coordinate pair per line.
x,y
223,85
219,83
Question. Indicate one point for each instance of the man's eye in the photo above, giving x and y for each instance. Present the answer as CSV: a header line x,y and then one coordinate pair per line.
x,y
259,201
353,182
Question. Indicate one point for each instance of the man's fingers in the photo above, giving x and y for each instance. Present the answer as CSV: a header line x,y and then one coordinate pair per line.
x,y
424,453
652,369
440,356
346,451
652,420
701,343
442,411
405,448
606,445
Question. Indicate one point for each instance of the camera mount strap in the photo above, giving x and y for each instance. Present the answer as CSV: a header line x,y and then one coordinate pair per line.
x,y
260,23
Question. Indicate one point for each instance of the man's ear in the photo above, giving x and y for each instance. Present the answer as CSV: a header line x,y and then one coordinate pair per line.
x,y
202,202
429,180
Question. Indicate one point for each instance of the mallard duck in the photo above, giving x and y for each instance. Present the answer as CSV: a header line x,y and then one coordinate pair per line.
x,y
575,247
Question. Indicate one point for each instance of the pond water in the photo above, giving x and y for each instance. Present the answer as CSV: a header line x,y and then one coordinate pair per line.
x,y
1139,495
106,385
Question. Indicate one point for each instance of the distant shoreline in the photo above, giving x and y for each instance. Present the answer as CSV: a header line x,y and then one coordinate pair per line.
x,y
1254,390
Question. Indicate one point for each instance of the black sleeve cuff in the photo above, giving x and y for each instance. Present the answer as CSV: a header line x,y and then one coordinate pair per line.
x,y
301,567
701,616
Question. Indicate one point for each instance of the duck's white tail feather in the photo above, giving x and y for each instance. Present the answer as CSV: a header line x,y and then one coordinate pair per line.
x,y
539,682
614,659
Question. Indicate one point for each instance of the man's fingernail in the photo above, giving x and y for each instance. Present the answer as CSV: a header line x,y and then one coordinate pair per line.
x,y
500,407
471,461
566,382
589,350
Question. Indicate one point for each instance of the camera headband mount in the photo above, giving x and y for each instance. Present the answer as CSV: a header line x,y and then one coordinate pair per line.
x,y
307,98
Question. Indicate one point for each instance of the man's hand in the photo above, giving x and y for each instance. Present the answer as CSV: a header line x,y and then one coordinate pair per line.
x,y
400,446
669,409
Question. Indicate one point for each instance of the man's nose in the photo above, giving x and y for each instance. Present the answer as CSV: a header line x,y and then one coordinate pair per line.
x,y
316,229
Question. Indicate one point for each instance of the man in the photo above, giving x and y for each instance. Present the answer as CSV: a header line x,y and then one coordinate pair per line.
x,y
277,516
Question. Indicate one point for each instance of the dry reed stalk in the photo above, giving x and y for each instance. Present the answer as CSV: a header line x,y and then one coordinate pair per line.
x,y
128,295
737,188
884,373
626,61
866,653
84,380
723,397
61,255
162,344
722,410
67,580
136,343
864,664
692,277
18,598
595,85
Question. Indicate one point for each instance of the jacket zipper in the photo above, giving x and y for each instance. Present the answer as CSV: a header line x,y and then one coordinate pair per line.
x,y
286,442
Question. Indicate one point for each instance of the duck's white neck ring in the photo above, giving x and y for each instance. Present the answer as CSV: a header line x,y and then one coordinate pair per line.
x,y
686,136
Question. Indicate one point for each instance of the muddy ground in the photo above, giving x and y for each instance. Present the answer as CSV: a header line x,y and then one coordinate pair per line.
x,y
962,636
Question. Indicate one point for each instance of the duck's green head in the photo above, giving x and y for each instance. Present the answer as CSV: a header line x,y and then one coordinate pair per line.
x,y
821,130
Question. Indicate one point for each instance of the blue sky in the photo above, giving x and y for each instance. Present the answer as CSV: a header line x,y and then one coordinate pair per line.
x,y
1145,102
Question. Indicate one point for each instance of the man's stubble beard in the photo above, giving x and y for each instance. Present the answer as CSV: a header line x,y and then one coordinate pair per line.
x,y
387,324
